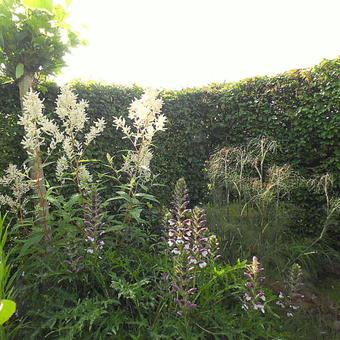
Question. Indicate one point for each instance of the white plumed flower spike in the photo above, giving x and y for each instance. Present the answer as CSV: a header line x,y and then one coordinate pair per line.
x,y
19,184
147,120
72,113
35,123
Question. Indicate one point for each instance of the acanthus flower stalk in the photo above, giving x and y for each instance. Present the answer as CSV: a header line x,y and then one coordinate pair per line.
x,y
289,300
191,246
255,297
94,222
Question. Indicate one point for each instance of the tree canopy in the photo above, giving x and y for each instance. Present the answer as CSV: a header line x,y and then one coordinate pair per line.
x,y
34,38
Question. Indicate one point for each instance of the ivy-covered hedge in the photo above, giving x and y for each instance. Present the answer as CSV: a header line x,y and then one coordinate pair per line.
x,y
299,109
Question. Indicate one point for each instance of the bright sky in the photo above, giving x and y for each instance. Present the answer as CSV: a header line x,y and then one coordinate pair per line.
x,y
187,43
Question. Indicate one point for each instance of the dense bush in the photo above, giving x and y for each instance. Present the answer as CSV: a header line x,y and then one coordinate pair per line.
x,y
93,254
88,265
298,109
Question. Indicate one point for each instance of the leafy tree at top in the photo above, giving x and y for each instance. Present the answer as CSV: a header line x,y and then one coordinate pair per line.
x,y
34,38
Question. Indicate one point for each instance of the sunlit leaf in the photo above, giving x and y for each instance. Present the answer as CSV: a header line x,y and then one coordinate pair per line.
x,y
59,13
19,70
40,4
7,309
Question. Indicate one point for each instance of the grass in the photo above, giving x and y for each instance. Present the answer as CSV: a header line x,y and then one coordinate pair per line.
x,y
269,238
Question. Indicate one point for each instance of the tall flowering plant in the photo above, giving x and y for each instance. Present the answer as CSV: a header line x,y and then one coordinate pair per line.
x,y
19,184
90,239
42,134
94,222
73,116
36,126
146,117
145,121
255,297
289,300
72,113
191,246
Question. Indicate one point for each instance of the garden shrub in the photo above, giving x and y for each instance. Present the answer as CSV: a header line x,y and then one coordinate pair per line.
x,y
88,271
95,268
299,109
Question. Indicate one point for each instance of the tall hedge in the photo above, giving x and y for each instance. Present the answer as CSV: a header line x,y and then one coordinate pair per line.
x,y
299,109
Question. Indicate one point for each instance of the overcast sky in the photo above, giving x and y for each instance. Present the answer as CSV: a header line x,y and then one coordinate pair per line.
x,y
186,43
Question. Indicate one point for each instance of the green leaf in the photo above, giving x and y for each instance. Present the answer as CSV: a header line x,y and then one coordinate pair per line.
x,y
73,200
116,228
135,213
60,14
148,197
109,158
30,242
46,5
122,195
89,160
7,309
54,201
42,88
19,70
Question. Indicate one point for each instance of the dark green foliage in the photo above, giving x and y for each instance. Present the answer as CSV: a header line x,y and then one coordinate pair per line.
x,y
299,109
11,133
85,284
66,292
